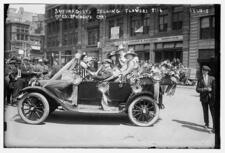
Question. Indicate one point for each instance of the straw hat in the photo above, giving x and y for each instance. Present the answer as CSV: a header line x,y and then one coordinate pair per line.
x,y
130,52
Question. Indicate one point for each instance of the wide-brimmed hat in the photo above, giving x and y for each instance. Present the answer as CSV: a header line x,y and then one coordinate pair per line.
x,y
35,59
120,47
206,68
12,62
26,58
77,55
112,53
40,60
45,60
83,55
130,52
107,61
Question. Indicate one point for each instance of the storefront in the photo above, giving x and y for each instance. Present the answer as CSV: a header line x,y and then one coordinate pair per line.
x,y
35,52
168,51
157,49
62,57
142,50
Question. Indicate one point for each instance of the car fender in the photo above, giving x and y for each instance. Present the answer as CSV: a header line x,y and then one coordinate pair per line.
x,y
52,99
133,96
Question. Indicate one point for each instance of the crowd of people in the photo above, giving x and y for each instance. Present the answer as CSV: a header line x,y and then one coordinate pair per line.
x,y
19,72
119,65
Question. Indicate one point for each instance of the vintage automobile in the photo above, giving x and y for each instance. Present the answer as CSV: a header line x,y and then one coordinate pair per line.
x,y
36,102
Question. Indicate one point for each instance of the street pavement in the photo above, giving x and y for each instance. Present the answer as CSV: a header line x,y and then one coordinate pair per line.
x,y
180,126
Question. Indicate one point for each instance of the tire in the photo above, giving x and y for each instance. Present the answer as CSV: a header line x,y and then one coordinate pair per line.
x,y
34,108
143,111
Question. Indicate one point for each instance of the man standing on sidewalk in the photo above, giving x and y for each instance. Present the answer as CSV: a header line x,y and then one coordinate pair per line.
x,y
206,88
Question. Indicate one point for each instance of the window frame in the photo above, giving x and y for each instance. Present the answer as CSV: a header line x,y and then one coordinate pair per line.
x,y
164,24
91,32
178,23
209,32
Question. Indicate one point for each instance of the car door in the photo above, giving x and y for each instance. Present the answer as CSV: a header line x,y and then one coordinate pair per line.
x,y
119,92
88,93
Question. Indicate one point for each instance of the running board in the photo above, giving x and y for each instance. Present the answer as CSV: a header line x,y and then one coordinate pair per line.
x,y
96,109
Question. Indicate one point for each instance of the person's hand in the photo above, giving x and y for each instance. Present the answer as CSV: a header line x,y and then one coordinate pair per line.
x,y
209,89
93,73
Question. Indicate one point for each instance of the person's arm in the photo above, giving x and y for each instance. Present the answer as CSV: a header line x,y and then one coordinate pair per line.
x,y
105,76
199,87
96,73
129,68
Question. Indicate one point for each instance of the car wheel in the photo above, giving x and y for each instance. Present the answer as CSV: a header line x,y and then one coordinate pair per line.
x,y
143,111
34,108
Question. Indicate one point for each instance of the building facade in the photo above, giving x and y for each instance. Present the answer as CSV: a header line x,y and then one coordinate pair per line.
x,y
16,39
24,34
202,37
155,36
158,33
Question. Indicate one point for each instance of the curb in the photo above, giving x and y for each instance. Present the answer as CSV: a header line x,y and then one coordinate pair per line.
x,y
187,87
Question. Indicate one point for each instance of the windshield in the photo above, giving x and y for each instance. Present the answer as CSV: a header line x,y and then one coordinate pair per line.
x,y
68,66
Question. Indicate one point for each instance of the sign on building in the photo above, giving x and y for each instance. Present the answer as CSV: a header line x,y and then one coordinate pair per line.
x,y
115,33
20,52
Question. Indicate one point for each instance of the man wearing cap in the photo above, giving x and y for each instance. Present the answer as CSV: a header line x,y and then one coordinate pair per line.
x,y
206,88
10,75
18,82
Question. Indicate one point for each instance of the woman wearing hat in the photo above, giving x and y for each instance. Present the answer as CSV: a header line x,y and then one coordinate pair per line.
x,y
121,57
131,63
113,56
206,88
105,71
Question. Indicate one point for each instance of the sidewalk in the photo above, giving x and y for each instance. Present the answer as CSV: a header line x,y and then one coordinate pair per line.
x,y
187,87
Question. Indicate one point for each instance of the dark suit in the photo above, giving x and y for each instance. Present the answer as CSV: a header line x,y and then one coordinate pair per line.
x,y
207,98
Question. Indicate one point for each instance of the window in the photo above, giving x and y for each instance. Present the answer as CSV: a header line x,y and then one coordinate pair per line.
x,y
70,24
159,45
75,39
93,14
111,24
49,28
146,25
65,39
177,19
70,39
93,36
140,24
163,22
65,24
22,37
48,42
18,37
120,24
57,41
136,24
207,27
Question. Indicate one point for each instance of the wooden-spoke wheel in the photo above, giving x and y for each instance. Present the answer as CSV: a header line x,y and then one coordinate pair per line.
x,y
143,111
34,108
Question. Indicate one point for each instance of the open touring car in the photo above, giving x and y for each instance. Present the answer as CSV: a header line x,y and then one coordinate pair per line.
x,y
35,103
